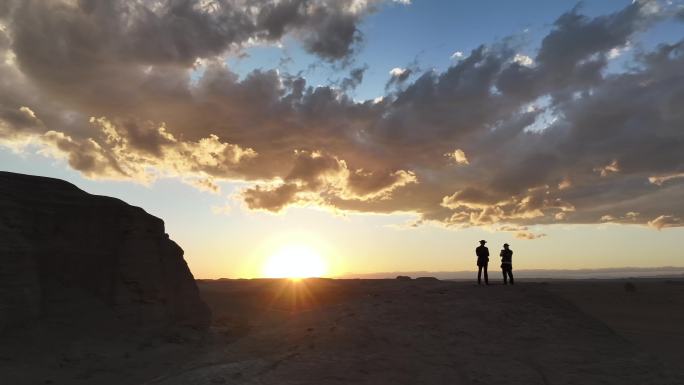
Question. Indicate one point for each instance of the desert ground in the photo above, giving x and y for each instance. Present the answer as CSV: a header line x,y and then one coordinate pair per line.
x,y
422,331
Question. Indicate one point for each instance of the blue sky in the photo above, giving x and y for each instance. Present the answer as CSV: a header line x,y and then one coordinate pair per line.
x,y
429,32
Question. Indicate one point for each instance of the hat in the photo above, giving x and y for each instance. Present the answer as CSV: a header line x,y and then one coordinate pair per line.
x,y
506,244
483,241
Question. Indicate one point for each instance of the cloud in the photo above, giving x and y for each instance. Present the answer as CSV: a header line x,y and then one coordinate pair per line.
x,y
523,60
456,55
483,207
120,97
274,199
511,228
399,72
628,217
144,153
608,169
665,221
529,236
607,218
616,52
369,185
354,79
458,157
521,232
317,178
179,31
660,179
398,76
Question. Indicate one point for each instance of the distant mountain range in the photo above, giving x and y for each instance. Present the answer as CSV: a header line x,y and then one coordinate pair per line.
x,y
605,273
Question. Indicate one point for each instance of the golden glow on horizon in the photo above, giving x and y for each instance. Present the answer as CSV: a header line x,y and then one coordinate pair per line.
x,y
295,261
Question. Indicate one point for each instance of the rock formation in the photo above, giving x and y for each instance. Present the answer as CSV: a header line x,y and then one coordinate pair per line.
x,y
61,247
427,279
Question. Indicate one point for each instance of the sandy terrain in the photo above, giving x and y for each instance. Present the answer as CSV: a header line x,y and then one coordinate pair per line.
x,y
381,332
651,316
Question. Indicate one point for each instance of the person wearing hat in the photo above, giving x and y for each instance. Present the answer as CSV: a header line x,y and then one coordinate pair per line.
x,y
507,263
482,253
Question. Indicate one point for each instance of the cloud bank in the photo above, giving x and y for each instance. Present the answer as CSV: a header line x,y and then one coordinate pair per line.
x,y
113,87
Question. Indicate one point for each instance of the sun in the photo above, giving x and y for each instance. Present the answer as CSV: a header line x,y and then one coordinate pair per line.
x,y
295,261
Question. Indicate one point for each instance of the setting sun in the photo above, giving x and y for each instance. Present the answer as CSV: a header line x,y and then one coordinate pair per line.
x,y
295,261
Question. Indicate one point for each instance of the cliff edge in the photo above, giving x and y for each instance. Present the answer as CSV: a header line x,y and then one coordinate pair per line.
x,y
62,248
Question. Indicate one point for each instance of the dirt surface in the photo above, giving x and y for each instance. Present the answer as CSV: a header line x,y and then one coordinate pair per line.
x,y
647,312
381,332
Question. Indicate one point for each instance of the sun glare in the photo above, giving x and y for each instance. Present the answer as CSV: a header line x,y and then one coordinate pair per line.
x,y
295,261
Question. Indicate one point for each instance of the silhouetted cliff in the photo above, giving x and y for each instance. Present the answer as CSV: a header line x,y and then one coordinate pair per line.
x,y
62,248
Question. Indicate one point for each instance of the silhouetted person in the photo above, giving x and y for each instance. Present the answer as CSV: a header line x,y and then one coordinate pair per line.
x,y
482,253
507,263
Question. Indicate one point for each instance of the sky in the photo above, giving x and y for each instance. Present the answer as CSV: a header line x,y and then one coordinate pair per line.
x,y
376,135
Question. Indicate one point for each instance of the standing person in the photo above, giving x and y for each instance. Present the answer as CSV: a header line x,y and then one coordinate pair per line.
x,y
482,253
507,263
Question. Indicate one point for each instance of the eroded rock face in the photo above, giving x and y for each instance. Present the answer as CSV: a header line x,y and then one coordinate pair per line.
x,y
61,244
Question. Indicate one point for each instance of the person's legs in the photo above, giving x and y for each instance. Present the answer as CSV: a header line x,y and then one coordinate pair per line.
x,y
479,274
485,274
503,270
510,274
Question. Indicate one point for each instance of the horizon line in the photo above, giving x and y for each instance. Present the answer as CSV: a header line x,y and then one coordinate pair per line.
x,y
424,273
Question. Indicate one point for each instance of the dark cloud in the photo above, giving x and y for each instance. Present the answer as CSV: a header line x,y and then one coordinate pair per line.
x,y
274,199
574,54
577,37
363,184
498,138
354,79
398,76
176,31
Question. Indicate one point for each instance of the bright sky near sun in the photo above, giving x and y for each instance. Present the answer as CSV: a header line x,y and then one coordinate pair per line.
x,y
280,221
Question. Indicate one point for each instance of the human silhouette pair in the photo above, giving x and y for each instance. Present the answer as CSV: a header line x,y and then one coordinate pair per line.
x,y
506,255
